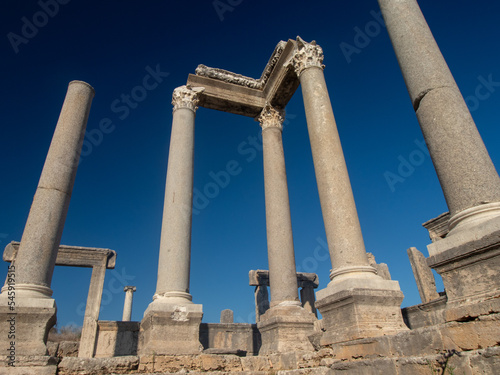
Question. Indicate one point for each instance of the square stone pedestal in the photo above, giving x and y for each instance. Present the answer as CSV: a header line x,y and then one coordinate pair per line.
x,y
286,329
469,263
24,332
356,308
170,329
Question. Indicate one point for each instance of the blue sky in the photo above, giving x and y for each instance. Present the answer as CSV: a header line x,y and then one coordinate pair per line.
x,y
118,196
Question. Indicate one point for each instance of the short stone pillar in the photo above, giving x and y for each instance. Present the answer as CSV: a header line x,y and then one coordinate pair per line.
x,y
127,305
286,325
423,275
171,322
468,259
34,265
357,303
227,316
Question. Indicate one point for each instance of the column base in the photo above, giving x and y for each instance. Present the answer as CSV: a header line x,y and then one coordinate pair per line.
x,y
355,308
285,329
169,328
24,330
469,264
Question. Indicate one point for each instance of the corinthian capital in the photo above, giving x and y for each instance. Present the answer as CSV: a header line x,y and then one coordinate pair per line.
x,y
271,117
306,56
186,97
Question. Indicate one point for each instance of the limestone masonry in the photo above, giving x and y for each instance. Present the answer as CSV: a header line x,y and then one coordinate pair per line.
x,y
363,329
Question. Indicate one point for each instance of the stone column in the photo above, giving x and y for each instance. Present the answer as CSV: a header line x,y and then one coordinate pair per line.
x,y
285,304
469,180
347,304
175,243
282,273
127,306
37,252
171,322
470,183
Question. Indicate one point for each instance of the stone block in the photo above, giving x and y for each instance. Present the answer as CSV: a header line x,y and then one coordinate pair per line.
x,y
365,367
423,275
31,326
254,364
68,349
227,316
242,337
170,329
485,361
285,329
425,314
469,263
360,308
284,361
473,335
98,366
116,338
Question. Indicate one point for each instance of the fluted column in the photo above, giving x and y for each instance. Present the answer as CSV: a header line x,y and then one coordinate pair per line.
x,y
127,305
175,243
469,180
36,257
282,273
343,231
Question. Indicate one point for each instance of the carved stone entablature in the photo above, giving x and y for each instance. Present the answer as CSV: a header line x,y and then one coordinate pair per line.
x,y
271,117
306,56
241,80
186,97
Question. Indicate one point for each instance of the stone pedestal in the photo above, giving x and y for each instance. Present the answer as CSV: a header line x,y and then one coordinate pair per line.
x,y
469,264
286,329
356,308
170,329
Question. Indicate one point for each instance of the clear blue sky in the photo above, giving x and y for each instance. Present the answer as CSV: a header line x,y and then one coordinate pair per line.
x,y
118,196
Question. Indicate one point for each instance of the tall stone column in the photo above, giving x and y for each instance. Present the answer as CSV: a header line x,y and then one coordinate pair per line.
x,y
127,305
469,180
171,322
36,257
357,302
286,325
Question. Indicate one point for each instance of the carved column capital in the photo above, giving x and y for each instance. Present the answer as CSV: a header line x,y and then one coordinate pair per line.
x,y
306,55
186,97
271,117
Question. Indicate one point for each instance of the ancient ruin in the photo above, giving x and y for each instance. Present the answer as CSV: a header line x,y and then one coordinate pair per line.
x,y
362,329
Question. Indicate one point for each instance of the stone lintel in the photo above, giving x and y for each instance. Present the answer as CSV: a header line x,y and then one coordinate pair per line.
x,y
438,227
228,97
234,93
283,81
73,256
304,279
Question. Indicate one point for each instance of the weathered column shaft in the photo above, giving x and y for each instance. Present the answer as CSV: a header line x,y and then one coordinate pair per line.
x,y
343,231
42,234
464,168
282,273
175,243
127,305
